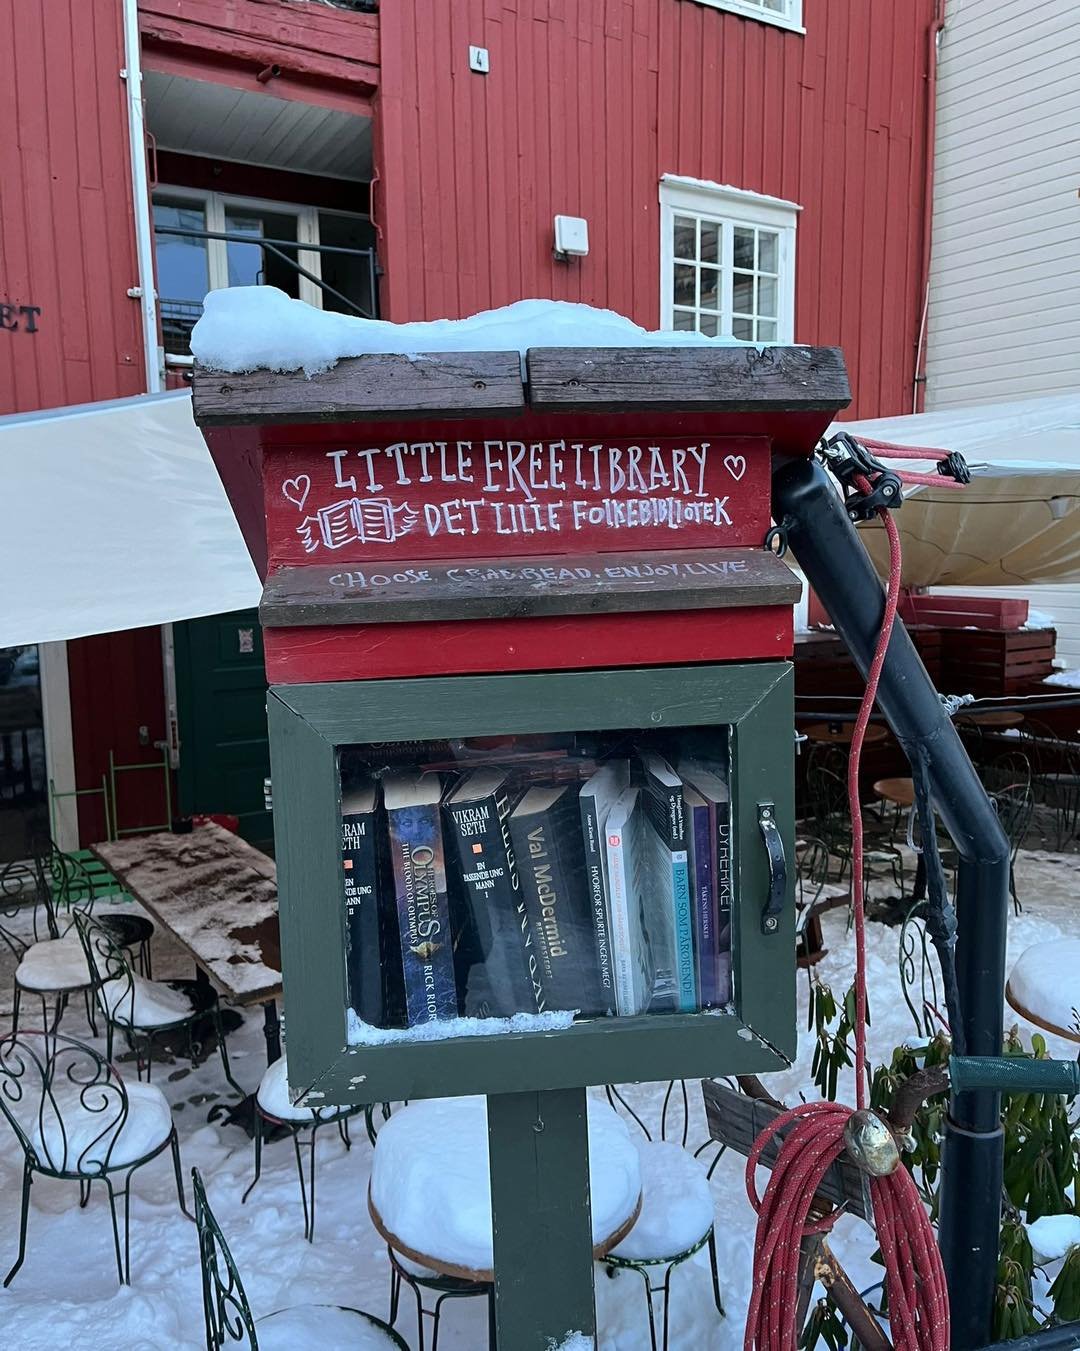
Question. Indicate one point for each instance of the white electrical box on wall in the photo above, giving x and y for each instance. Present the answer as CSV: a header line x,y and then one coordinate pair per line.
x,y
571,236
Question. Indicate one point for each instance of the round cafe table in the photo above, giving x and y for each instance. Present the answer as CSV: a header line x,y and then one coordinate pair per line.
x,y
840,733
900,791
430,1190
1044,986
994,717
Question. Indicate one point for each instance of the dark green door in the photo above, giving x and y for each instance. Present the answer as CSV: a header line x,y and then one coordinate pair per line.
x,y
221,704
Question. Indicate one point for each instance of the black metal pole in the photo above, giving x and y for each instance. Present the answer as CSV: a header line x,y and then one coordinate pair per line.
x,y
829,551
1064,1338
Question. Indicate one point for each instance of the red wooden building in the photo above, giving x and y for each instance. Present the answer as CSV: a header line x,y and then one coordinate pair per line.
x,y
755,167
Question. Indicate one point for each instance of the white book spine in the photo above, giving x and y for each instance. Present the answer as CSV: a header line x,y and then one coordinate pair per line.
x,y
621,948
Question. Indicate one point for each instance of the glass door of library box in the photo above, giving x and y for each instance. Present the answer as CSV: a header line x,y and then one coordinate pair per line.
x,y
509,882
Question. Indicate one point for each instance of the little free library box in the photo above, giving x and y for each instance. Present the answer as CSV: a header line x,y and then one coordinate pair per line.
x,y
532,730
530,710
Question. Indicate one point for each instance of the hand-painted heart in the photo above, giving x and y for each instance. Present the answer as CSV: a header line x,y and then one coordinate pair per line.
x,y
735,465
295,490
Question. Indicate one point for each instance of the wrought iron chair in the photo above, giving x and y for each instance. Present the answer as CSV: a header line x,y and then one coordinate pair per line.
x,y
75,883
1008,780
78,1120
228,1315
667,1167
1055,773
51,968
274,1112
141,1010
920,975
421,1280
830,822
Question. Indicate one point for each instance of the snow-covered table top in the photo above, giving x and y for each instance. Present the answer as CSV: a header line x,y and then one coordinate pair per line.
x,y
430,1192
216,894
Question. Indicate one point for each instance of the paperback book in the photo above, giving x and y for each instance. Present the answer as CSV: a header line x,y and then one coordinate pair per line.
x,y
716,970
423,911
498,970
545,830
668,912
632,962
596,799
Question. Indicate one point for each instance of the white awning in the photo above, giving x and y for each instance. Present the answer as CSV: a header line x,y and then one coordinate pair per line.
x,y
112,516
1016,523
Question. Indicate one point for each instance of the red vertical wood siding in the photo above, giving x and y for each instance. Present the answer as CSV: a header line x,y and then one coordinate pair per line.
x,y
588,104
66,239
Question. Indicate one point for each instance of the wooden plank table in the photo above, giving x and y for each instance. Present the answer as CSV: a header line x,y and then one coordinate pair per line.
x,y
216,895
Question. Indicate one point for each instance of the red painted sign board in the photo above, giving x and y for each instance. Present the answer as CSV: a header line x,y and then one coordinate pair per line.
x,y
447,492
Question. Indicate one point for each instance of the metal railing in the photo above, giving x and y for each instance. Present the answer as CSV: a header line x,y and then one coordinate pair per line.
x,y
182,314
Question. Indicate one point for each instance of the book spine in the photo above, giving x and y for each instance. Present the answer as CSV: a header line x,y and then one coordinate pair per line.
x,y
685,973
723,902
578,966
622,946
704,904
427,953
503,978
362,948
594,876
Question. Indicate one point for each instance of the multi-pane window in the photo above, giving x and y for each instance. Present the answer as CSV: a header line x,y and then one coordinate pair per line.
x,y
728,262
785,13
205,241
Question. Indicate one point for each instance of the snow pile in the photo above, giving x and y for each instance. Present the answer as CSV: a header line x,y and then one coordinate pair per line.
x,y
81,1130
676,1204
431,1185
322,1326
1069,679
1045,982
1039,619
574,1341
248,328
154,1004
1053,1235
363,1034
54,964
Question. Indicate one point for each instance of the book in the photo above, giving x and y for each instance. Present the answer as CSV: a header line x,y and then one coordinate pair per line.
x,y
595,800
714,789
669,914
359,862
631,956
545,830
419,869
701,822
498,970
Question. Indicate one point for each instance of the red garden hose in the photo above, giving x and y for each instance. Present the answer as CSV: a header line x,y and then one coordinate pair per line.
x,y
914,1276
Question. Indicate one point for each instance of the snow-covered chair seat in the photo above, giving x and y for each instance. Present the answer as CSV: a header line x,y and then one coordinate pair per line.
x,y
53,966
322,1325
272,1096
1044,986
676,1206
138,1002
276,1112
84,1136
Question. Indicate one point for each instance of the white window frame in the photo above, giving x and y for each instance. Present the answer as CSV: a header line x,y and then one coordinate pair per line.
x,y
728,207
791,18
216,205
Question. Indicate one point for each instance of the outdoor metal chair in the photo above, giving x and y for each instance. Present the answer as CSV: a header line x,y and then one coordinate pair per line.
x,y
419,1279
920,974
830,822
229,1320
1055,774
77,1119
1008,780
50,968
274,1113
74,883
144,1011
667,1167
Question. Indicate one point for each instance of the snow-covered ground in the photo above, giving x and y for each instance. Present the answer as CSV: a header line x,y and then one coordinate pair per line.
x,y
66,1294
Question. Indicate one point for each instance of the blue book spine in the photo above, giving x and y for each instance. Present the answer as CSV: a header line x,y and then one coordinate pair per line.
x,y
704,905
685,974
427,950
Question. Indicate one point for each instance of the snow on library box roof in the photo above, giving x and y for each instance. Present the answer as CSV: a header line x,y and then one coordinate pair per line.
x,y
248,328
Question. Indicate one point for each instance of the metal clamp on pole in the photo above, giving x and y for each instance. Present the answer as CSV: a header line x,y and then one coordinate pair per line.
x,y
774,846
849,461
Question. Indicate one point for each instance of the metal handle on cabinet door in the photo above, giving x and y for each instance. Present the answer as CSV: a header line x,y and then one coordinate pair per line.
x,y
774,847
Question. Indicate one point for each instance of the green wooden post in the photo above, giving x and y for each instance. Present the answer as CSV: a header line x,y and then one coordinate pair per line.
x,y
539,1151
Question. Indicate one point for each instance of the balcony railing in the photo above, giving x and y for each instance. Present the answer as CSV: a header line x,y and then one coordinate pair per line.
x,y
178,317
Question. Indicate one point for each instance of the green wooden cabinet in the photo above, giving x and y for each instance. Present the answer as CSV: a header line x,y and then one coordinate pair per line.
x,y
308,725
